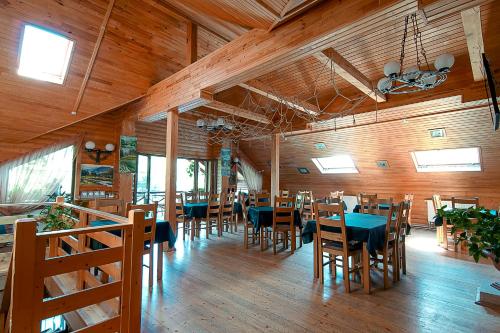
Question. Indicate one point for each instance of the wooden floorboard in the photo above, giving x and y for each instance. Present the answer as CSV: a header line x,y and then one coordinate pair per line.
x,y
217,286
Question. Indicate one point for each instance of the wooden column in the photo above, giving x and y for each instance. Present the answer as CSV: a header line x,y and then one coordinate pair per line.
x,y
275,166
191,43
126,192
171,169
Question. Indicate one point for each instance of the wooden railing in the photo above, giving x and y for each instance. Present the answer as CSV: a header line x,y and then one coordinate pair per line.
x,y
53,273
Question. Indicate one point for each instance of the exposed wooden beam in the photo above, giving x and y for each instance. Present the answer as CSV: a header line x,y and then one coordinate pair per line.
x,y
191,43
258,52
237,111
90,66
262,4
471,20
349,73
289,13
171,165
303,106
438,9
275,166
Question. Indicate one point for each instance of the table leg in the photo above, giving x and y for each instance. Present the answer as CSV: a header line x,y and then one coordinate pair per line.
x,y
159,268
366,268
193,228
315,247
261,231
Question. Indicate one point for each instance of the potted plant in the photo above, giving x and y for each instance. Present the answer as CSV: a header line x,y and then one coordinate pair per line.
x,y
56,217
480,230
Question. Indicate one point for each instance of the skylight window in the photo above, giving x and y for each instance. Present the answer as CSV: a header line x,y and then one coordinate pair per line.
x,y
447,160
335,164
44,55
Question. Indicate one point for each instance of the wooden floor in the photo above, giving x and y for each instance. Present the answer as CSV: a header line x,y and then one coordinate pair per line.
x,y
217,286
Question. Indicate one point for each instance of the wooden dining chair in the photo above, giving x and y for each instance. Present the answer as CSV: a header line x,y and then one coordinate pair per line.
x,y
284,193
283,222
409,198
337,194
401,226
332,239
181,220
262,199
227,212
307,207
389,249
248,226
437,204
447,234
380,206
203,196
150,211
213,215
251,198
113,206
367,203
190,197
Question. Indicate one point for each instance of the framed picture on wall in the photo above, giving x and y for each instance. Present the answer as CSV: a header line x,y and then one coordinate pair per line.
x,y
96,175
225,158
128,154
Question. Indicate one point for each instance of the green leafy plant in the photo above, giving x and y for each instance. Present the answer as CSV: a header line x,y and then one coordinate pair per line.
x,y
56,218
478,228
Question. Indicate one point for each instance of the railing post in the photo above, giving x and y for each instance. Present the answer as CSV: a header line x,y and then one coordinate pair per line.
x,y
23,276
82,239
136,216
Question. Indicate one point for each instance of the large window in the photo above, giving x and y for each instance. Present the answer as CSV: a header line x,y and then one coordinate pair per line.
x,y
44,55
447,160
335,164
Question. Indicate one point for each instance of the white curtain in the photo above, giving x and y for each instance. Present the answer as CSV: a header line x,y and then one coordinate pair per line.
x,y
35,176
252,177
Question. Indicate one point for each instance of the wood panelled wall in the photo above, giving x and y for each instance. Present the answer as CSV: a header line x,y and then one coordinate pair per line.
x,y
193,143
393,142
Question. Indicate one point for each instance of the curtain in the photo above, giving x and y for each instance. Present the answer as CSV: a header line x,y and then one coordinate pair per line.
x,y
35,176
252,177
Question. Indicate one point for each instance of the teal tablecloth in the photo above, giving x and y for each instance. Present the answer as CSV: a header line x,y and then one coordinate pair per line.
x,y
359,227
263,216
196,209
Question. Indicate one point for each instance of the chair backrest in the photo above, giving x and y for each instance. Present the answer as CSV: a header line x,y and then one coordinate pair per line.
x,y
367,203
436,202
214,204
307,203
203,196
337,194
251,198
150,214
262,199
113,206
228,207
190,197
381,206
336,227
283,211
469,202
179,208
393,214
403,219
242,201
284,193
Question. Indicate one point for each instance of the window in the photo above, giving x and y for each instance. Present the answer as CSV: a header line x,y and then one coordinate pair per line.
x,y
44,55
241,184
444,160
335,164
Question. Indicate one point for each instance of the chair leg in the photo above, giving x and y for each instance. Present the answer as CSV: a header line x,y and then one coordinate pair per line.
x,y
345,267
334,266
386,268
274,242
245,237
403,257
159,265
395,262
293,240
320,267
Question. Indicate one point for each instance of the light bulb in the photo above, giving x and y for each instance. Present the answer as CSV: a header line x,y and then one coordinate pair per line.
x,y
200,123
89,145
411,73
428,79
444,62
384,84
109,147
392,68
220,122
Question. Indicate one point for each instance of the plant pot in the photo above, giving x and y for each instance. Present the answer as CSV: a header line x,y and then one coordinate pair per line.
x,y
490,255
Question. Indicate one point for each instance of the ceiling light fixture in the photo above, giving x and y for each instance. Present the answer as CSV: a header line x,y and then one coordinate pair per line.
x,y
414,78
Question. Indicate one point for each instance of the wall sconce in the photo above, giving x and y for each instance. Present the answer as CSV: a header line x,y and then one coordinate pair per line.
x,y
98,153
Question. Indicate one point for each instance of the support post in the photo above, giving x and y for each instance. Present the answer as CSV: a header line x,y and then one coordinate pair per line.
x,y
275,166
171,168
126,192
191,43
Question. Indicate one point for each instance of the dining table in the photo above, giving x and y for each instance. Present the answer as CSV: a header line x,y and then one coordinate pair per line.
x,y
366,228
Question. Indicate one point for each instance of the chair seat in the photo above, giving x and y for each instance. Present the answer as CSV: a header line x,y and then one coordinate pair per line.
x,y
353,245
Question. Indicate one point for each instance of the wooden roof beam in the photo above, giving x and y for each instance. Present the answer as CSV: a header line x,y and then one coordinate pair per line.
x,y
302,106
258,52
438,9
237,111
349,73
471,20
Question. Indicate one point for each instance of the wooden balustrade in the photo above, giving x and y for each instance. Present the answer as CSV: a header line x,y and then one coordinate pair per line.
x,y
52,274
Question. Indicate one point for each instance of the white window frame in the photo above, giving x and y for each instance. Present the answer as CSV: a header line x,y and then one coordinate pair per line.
x,y
325,170
465,167
59,80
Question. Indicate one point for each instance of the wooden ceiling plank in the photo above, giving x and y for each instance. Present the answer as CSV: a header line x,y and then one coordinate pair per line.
x,y
90,66
237,111
437,9
349,73
471,20
258,51
303,106
289,13
267,8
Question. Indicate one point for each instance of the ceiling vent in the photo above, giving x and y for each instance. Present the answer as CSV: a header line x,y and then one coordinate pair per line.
x,y
303,171
383,164
437,133
320,146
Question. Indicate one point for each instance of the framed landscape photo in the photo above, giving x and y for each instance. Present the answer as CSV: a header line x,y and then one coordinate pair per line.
x,y
96,175
128,154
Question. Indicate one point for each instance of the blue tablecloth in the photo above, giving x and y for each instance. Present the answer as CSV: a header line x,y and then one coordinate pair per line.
x,y
360,227
263,216
196,209
238,209
164,232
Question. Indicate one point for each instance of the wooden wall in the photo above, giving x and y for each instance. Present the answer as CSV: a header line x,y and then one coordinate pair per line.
x,y
393,142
